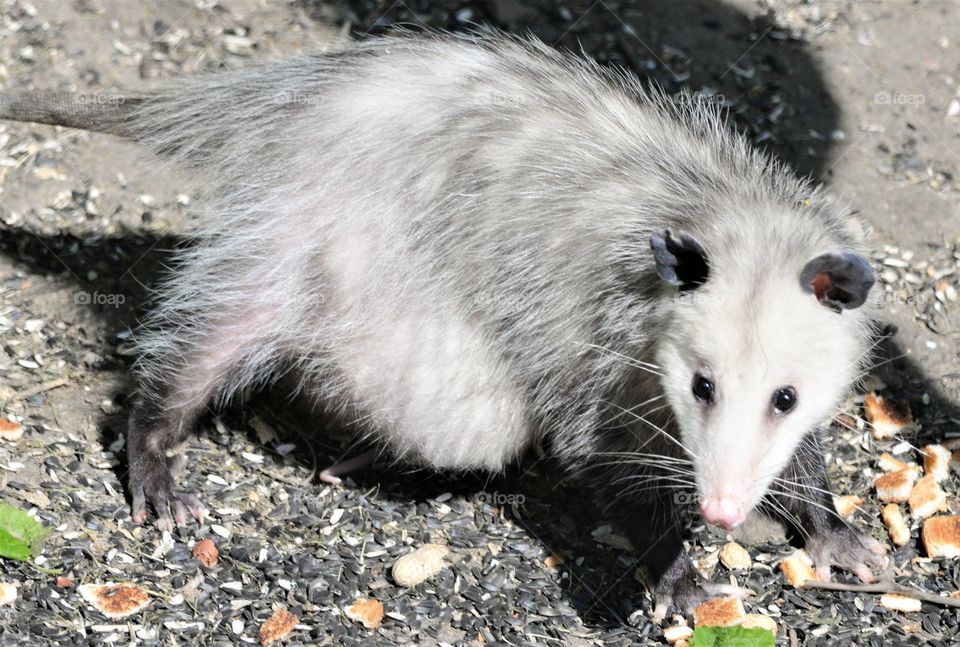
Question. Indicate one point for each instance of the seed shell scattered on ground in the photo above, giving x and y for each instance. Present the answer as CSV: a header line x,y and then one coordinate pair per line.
x,y
86,225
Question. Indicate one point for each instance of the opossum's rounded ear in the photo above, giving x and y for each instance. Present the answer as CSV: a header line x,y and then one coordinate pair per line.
x,y
839,280
680,260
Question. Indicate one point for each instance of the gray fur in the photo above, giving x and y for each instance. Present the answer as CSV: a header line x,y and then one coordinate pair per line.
x,y
449,239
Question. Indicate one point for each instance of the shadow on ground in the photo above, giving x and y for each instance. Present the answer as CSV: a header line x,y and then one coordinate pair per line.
x,y
769,82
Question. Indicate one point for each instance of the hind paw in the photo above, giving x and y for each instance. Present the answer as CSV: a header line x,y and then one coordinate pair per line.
x,y
172,505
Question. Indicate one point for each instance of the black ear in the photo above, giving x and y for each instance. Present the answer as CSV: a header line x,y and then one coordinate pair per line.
x,y
840,280
680,260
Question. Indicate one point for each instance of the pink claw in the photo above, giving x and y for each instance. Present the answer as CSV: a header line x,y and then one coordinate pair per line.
x,y
659,613
877,548
864,573
823,573
735,591
332,474
327,477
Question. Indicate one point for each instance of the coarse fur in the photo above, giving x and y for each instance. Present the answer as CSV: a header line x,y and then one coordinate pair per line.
x,y
448,239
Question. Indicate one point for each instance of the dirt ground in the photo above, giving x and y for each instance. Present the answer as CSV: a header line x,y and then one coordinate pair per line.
x,y
863,95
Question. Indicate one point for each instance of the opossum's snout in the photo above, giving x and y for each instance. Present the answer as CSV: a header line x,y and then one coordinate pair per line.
x,y
726,511
732,485
736,464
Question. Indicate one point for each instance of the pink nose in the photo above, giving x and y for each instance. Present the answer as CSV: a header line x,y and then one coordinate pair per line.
x,y
723,512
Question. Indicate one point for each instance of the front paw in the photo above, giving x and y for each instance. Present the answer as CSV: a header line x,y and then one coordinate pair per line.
x,y
684,588
845,548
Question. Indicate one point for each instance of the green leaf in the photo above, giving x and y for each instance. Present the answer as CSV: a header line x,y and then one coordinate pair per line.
x,y
20,534
735,636
13,548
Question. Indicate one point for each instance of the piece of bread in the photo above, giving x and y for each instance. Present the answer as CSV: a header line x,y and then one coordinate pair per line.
x,y
955,461
936,461
735,556
10,430
890,463
719,612
798,568
115,600
941,536
901,603
927,498
676,633
895,487
896,524
759,621
8,592
367,612
886,416
277,627
847,505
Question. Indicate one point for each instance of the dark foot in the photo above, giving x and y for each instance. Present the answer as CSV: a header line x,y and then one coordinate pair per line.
x,y
151,478
845,548
685,588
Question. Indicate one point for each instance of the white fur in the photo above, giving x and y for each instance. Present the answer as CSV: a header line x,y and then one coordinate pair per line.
x,y
449,238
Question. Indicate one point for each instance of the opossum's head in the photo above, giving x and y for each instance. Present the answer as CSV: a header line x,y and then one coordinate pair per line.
x,y
756,354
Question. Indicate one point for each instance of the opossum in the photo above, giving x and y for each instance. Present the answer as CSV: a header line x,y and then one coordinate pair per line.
x,y
468,244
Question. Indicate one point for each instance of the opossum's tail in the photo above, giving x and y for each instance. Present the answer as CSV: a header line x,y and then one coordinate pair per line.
x,y
221,122
105,113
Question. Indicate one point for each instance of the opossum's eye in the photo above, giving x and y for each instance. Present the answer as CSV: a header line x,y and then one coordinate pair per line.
x,y
784,399
702,389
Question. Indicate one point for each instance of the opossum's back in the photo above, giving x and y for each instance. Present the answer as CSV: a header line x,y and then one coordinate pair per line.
x,y
395,101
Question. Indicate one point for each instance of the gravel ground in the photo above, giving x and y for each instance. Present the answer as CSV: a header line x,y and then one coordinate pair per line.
x,y
860,94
